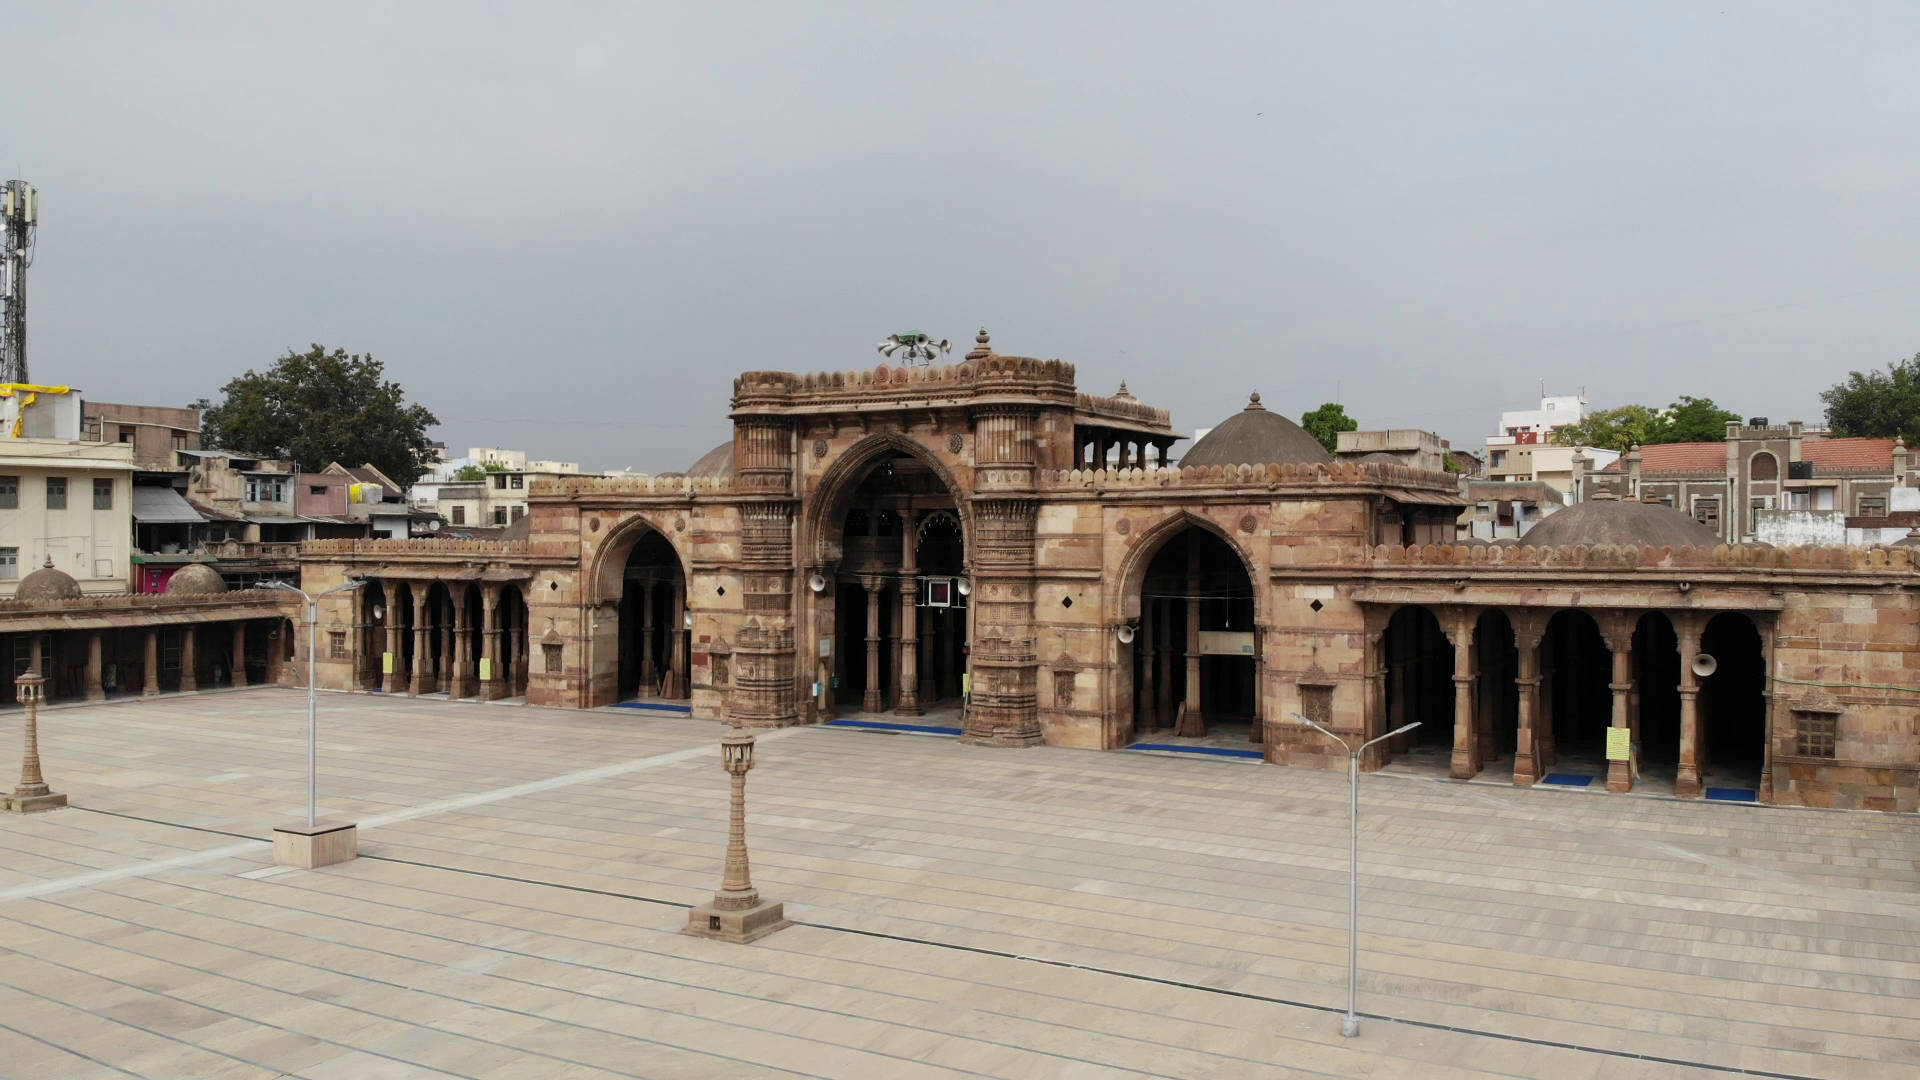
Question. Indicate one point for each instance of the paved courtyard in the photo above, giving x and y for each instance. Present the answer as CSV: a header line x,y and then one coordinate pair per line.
x,y
962,911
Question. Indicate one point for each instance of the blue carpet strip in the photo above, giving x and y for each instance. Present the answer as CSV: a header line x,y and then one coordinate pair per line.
x,y
1733,794
1566,779
685,710
1216,751
875,725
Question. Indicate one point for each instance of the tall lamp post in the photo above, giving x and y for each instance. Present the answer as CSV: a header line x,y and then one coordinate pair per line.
x,y
316,843
33,793
1350,1023
736,913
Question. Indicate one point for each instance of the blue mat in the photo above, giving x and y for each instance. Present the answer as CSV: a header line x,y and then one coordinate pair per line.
x,y
655,706
1216,751
1566,779
1733,794
875,725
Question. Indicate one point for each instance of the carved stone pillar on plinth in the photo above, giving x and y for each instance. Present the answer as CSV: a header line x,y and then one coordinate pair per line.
x,y
677,653
240,654
421,681
189,678
1686,780
872,701
1618,631
1193,720
391,677
150,683
96,689
491,685
648,675
1004,665
1465,761
457,667
908,669
1526,639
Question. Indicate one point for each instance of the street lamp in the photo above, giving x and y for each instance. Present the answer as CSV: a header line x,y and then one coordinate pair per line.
x,y
313,634
33,793
1350,1023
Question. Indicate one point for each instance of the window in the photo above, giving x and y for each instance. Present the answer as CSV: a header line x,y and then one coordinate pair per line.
x,y
1499,458
128,432
499,515
519,512
9,493
500,481
1796,500
518,480
1706,511
266,489
90,429
553,658
1873,506
179,440
102,493
9,563
1754,506
56,493
337,644
1818,731
459,515
1765,467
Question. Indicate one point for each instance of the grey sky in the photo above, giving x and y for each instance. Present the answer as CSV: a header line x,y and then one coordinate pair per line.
x,y
566,228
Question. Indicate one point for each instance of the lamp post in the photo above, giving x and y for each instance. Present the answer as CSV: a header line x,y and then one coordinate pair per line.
x,y
1350,1023
737,913
33,793
313,634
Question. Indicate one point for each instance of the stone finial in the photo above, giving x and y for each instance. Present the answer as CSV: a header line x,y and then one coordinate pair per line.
x,y
1253,403
982,346
48,565
1122,394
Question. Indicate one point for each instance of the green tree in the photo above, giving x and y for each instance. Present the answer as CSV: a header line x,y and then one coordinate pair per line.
x,y
320,406
470,474
1693,419
1689,419
1327,422
1877,404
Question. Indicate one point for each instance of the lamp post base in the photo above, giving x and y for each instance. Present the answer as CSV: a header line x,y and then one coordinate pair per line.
x,y
31,802
738,925
321,844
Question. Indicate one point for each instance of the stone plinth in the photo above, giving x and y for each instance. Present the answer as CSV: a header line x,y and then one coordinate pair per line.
x,y
737,925
321,844
32,802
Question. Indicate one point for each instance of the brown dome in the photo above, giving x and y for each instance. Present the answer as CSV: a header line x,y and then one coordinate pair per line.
x,y
715,463
196,579
48,583
1610,521
1254,436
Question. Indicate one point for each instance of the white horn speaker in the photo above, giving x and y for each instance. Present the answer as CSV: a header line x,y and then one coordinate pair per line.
x,y
1705,665
818,583
963,586
1125,634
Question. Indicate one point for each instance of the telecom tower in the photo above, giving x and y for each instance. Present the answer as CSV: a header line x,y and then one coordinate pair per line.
x,y
20,209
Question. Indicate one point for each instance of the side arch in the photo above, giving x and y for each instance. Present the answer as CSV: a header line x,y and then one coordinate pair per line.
x,y
827,503
605,576
1147,544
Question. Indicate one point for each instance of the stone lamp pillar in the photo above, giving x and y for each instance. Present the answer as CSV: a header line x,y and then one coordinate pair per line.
x,y
737,913
33,793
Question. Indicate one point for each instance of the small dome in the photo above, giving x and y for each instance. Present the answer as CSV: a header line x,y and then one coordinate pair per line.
x,y
1610,521
48,583
715,463
1254,436
1379,457
196,579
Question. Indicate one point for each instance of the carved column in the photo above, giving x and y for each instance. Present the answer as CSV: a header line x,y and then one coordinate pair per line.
x,y
189,678
1004,664
648,674
1618,631
240,652
872,702
490,642
421,682
677,634
443,671
1527,631
1193,720
1148,691
151,683
763,693
96,690
1374,719
1163,705
1686,780
1465,761
390,674
457,687
909,666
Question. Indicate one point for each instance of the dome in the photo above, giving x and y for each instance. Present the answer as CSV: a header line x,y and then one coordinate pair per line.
x,y
48,583
1254,436
196,579
1379,457
715,463
1607,520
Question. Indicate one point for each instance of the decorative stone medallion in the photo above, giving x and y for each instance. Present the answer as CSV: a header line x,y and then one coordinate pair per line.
x,y
1125,527
593,524
1247,523
679,524
955,443
819,448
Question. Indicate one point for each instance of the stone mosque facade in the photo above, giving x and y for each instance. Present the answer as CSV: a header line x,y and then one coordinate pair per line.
x,y
875,544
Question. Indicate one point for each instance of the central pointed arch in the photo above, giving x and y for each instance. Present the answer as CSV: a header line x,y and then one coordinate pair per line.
x,y
833,492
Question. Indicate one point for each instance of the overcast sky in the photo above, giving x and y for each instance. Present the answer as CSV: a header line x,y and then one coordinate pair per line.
x,y
565,228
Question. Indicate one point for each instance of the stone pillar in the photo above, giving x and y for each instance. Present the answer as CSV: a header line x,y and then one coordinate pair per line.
x,y
1193,720
909,666
96,690
649,676
390,675
1486,696
1373,710
677,655
1527,631
490,642
872,702
1004,664
1618,632
1148,691
1464,763
462,654
1686,780
189,678
36,662
1163,705
443,671
420,681
151,683
240,652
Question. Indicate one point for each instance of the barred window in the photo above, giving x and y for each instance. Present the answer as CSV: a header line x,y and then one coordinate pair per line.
x,y
1316,704
1818,732
337,644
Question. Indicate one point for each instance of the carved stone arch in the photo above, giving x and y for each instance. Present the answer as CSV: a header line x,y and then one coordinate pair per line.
x,y
606,577
1148,542
826,505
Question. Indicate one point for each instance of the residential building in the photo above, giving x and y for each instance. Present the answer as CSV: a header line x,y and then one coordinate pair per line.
x,y
69,502
1506,509
1772,483
1406,446
1524,449
154,431
495,497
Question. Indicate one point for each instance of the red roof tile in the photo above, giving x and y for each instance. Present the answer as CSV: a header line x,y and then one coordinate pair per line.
x,y
1849,453
1663,457
1712,456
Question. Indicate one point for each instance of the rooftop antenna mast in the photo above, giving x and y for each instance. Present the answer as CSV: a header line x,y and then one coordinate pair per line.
x,y
916,347
20,212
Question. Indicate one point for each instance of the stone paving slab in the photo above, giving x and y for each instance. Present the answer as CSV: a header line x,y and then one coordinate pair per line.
x,y
963,911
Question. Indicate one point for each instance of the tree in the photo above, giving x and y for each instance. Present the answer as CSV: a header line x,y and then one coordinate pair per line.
x,y
1876,404
320,406
470,474
1689,419
1327,422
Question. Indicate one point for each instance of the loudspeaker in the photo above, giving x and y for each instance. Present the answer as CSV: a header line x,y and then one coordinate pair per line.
x,y
1125,634
818,583
1705,665
963,586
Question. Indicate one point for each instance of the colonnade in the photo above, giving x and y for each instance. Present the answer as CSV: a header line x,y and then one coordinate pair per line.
x,y
1093,447
464,639
130,660
672,680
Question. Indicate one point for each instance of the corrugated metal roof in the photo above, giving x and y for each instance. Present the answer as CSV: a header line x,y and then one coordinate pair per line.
x,y
163,506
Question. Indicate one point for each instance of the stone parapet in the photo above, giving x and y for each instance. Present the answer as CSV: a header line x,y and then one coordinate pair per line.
x,y
755,390
148,603
1879,560
414,547
558,487
1339,473
1126,408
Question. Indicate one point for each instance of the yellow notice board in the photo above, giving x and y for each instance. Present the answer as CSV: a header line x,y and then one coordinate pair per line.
x,y
486,669
386,663
1619,743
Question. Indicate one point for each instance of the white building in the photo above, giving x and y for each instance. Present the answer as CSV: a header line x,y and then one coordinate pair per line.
x,y
60,498
496,496
1524,449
